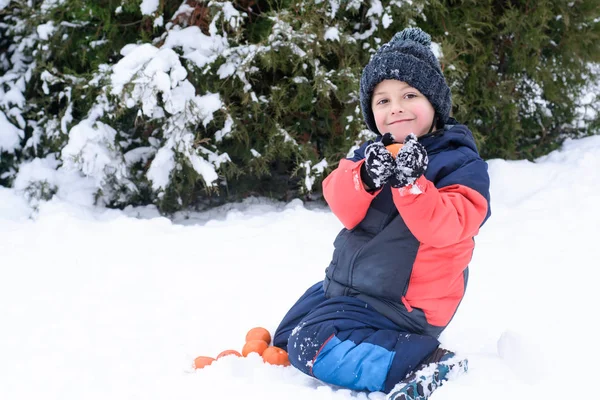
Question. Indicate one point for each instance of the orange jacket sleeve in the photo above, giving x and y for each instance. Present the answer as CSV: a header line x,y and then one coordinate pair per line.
x,y
440,217
344,192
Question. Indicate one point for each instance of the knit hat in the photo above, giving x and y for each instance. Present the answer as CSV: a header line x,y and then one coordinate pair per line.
x,y
408,58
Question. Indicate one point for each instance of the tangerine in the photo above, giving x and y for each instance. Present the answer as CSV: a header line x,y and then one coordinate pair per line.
x,y
275,356
258,333
228,352
254,346
394,148
202,361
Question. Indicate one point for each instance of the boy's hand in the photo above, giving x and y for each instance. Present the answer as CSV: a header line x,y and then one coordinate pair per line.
x,y
411,162
379,165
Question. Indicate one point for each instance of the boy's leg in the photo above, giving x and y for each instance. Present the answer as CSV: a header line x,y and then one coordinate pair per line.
x,y
305,304
345,342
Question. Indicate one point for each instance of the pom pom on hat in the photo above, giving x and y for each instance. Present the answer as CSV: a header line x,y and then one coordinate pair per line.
x,y
414,34
408,58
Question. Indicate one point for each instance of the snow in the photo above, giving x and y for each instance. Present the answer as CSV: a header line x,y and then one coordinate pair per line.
x,y
227,128
135,57
587,109
332,33
436,49
204,168
255,153
376,8
100,303
46,30
91,149
196,46
231,14
149,7
67,184
158,22
335,6
207,105
161,168
11,135
153,76
139,154
386,20
48,5
96,43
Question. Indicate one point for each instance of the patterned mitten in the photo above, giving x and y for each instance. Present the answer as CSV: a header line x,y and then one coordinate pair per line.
x,y
379,164
411,163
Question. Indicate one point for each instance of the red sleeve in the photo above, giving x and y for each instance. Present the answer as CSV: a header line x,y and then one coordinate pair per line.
x,y
440,217
344,191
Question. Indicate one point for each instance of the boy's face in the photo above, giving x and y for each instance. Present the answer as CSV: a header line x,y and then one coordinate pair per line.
x,y
401,109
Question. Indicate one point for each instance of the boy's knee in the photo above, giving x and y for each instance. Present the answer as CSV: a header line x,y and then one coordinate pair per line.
x,y
295,354
303,346
319,352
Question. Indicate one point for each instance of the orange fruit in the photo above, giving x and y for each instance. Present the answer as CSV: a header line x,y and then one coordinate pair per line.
x,y
394,148
276,356
254,346
202,361
258,333
228,352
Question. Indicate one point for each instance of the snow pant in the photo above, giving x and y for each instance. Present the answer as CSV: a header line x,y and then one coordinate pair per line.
x,y
343,341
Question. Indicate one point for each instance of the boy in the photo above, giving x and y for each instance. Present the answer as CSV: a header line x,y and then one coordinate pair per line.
x,y
399,268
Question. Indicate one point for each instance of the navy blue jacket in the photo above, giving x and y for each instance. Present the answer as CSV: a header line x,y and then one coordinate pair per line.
x,y
404,253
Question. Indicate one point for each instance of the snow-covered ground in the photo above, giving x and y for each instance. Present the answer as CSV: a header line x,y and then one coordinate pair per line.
x,y
105,304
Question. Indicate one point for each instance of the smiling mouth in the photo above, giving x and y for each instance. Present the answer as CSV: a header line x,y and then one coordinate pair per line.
x,y
400,120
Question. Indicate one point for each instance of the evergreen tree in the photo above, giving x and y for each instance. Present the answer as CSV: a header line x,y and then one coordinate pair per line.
x,y
518,69
187,104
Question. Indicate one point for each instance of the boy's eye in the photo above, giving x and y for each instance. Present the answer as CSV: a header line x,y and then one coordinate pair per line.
x,y
381,101
410,95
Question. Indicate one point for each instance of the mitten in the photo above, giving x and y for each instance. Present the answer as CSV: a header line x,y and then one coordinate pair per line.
x,y
411,162
379,164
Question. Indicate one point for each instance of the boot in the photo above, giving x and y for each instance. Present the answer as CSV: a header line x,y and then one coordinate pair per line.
x,y
436,369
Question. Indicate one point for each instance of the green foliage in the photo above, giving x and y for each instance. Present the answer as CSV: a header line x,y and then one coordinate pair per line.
x,y
287,82
517,69
312,89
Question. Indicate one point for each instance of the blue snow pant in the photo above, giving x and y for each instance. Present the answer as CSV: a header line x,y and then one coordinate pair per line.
x,y
343,341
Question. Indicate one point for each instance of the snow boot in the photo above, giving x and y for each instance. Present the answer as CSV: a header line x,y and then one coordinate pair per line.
x,y
436,369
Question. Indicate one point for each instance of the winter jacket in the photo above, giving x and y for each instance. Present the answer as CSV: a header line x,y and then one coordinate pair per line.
x,y
409,248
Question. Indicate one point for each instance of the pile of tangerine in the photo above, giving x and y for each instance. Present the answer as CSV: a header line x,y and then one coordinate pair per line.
x,y
257,341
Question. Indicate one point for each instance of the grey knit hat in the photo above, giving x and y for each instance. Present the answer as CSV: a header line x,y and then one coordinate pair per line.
x,y
408,58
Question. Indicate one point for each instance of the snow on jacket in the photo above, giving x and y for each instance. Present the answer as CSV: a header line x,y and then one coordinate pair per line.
x,y
410,247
